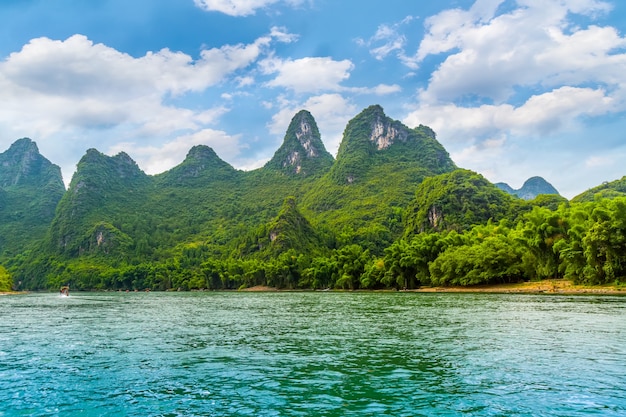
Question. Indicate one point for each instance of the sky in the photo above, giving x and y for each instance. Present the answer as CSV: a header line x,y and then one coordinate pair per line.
x,y
513,88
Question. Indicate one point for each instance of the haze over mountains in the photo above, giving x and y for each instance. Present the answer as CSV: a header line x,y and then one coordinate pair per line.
x,y
531,188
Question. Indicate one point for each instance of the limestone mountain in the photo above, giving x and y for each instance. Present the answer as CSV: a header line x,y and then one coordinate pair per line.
x,y
115,225
30,189
379,164
103,191
531,188
372,139
289,230
201,165
455,201
302,152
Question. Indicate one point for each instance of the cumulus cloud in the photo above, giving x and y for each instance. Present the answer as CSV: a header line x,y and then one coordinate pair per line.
x,y
521,73
540,115
311,74
389,39
72,89
240,7
535,44
156,159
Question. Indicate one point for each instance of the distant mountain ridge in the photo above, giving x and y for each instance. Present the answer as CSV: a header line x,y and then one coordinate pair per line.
x,y
531,188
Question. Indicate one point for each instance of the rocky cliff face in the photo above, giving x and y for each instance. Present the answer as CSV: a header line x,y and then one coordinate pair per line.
x,y
302,152
372,139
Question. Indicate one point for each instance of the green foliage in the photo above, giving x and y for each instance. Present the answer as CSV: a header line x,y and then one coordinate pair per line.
x,y
30,189
606,190
455,201
491,257
6,281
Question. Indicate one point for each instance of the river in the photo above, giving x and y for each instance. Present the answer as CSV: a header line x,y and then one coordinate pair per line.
x,y
312,354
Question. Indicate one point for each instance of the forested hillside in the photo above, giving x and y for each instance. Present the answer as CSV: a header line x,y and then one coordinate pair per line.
x,y
391,211
30,189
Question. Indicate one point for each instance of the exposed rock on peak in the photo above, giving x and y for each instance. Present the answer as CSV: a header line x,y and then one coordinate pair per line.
x,y
371,138
384,131
302,152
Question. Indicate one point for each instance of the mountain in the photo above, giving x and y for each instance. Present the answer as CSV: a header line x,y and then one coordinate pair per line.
x,y
379,164
113,214
104,193
201,166
455,201
302,152
607,189
372,139
531,188
30,189
289,230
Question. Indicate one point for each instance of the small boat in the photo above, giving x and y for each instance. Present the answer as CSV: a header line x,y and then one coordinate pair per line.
x,y
65,290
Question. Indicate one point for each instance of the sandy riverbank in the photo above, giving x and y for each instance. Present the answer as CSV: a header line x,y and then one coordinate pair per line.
x,y
552,286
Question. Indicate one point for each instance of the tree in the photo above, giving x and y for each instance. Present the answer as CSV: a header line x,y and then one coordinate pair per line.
x,y
6,282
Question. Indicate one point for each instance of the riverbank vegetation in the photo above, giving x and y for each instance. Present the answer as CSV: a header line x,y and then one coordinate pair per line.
x,y
583,242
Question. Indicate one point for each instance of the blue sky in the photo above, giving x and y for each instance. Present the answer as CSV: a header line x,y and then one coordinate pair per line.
x,y
513,88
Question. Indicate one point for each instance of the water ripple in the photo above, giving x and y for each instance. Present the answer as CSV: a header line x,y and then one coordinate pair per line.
x,y
312,354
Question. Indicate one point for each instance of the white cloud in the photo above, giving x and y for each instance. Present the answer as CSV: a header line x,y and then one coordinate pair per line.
x,y
311,74
154,159
481,154
599,161
74,89
240,7
535,44
540,115
379,90
331,112
389,39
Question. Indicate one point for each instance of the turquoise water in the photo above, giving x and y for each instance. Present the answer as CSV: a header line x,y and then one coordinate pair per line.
x,y
312,354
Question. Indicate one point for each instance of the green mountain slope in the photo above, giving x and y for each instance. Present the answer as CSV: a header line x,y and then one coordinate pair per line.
x,y
379,165
103,203
610,189
304,220
30,189
456,201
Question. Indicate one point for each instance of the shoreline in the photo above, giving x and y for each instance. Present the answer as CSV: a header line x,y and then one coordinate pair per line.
x,y
550,286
